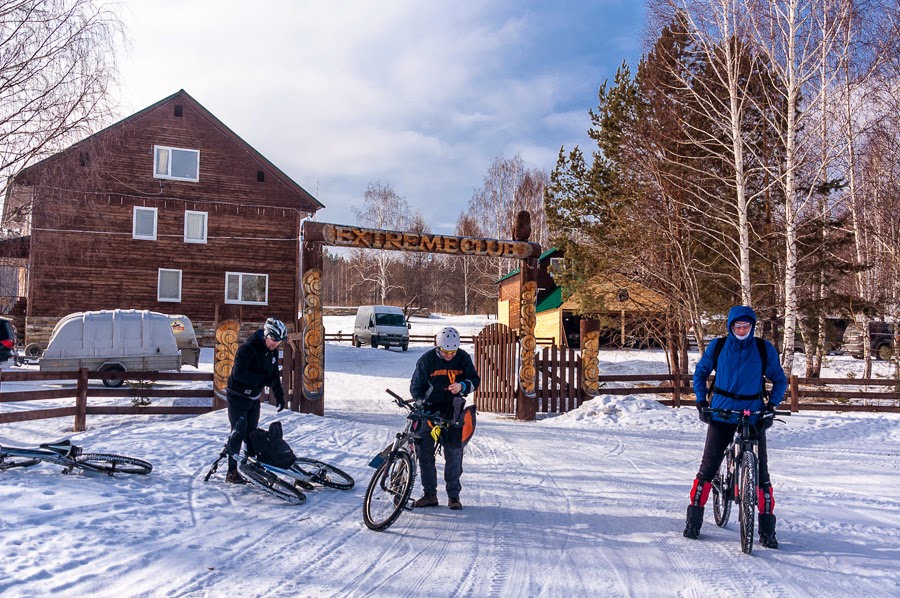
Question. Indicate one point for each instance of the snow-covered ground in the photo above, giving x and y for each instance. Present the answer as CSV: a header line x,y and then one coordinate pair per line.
x,y
590,503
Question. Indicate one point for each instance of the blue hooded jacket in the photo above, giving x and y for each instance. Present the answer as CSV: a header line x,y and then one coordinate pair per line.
x,y
740,371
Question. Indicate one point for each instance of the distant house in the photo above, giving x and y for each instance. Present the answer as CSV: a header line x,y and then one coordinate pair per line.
x,y
167,210
630,306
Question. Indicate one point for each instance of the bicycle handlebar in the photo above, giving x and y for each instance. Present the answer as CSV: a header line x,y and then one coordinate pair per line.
x,y
743,411
416,408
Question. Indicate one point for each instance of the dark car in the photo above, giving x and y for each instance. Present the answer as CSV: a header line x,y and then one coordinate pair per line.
x,y
882,337
7,339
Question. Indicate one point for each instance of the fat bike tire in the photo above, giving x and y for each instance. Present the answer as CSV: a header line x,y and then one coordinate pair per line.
x,y
8,462
388,492
270,483
748,500
320,472
723,491
112,464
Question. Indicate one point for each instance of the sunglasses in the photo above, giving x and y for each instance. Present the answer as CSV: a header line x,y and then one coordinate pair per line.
x,y
447,354
741,325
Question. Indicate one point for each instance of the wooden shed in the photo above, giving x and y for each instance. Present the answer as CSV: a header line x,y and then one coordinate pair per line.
x,y
630,306
167,210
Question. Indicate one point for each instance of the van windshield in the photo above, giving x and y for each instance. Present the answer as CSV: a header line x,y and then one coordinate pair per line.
x,y
390,320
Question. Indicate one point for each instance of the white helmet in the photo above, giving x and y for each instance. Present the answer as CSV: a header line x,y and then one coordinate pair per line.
x,y
447,339
275,329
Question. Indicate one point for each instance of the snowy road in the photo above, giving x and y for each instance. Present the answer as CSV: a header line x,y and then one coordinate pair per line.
x,y
587,504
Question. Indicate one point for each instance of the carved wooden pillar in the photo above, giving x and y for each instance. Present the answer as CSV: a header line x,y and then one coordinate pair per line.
x,y
312,383
526,405
228,330
590,358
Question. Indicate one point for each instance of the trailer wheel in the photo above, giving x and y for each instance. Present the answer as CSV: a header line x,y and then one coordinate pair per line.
x,y
112,383
33,350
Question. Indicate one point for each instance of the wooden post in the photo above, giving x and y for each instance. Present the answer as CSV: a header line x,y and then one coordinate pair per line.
x,y
228,330
312,352
590,358
795,395
81,386
526,405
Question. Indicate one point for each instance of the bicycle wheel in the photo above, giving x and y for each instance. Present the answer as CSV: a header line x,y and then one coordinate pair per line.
x,y
388,491
722,491
271,483
748,500
110,464
8,461
323,473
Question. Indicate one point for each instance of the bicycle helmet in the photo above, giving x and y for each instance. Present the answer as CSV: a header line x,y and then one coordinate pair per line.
x,y
447,339
275,329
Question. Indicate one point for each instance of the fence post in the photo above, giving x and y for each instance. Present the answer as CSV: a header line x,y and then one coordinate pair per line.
x,y
81,386
795,395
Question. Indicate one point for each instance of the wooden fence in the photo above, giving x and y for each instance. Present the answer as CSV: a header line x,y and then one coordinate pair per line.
x,y
81,391
558,383
347,337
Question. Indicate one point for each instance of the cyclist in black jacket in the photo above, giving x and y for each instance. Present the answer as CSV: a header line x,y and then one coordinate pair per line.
x,y
255,367
442,375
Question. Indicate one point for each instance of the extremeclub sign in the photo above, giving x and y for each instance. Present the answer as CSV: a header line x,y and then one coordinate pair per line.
x,y
367,238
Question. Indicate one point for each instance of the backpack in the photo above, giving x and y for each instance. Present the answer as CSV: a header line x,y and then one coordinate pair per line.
x,y
763,357
271,447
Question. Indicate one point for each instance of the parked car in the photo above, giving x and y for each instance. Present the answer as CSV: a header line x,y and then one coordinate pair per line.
x,y
7,339
380,325
118,340
882,340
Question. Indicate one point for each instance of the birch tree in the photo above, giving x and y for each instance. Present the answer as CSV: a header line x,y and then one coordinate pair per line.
x,y
383,208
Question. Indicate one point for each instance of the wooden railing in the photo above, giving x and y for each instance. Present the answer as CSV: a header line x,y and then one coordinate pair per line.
x,y
80,393
347,337
806,393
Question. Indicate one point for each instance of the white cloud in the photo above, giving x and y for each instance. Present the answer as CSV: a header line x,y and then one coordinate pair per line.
x,y
341,93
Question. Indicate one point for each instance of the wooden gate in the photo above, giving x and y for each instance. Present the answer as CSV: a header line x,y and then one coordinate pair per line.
x,y
559,372
496,349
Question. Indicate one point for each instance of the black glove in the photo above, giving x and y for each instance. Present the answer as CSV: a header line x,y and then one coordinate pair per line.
x,y
701,411
279,401
768,416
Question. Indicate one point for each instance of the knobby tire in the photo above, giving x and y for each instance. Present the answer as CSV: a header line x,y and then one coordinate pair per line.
x,y
271,483
388,492
8,463
748,500
723,492
323,473
110,464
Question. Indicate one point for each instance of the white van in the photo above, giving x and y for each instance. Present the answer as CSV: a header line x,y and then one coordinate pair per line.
x,y
380,325
118,340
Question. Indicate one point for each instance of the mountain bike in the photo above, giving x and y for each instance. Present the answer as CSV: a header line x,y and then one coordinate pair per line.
x,y
282,482
389,490
737,478
70,457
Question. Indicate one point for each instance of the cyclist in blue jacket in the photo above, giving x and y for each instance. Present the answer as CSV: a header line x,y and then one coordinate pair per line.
x,y
739,385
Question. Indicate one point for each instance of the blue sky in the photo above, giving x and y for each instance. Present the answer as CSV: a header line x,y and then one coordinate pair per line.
x,y
421,95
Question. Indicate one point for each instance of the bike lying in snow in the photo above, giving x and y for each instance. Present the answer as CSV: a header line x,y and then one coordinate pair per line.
x,y
286,478
70,457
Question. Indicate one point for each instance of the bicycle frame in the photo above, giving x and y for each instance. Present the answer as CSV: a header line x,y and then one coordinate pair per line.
x,y
56,457
70,456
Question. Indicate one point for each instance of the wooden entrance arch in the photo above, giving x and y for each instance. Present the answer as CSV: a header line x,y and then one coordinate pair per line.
x,y
316,235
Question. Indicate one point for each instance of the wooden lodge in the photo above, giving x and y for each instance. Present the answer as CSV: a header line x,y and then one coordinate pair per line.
x,y
167,210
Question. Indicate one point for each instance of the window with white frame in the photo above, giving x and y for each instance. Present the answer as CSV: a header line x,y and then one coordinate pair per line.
x,y
557,264
144,223
176,163
251,289
195,226
168,286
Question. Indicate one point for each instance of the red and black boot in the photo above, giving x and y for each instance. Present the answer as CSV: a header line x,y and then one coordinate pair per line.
x,y
766,501
694,520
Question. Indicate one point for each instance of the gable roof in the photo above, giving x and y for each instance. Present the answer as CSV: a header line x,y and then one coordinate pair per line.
x,y
211,118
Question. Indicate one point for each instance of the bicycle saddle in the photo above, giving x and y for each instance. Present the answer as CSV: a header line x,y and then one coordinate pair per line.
x,y
64,448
